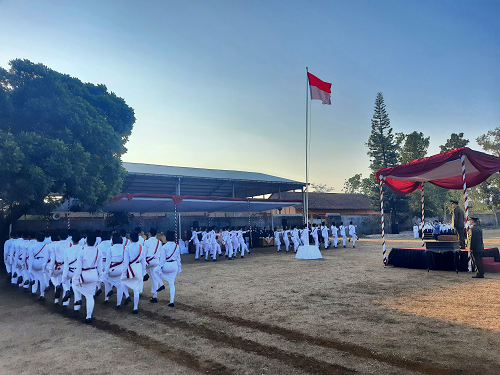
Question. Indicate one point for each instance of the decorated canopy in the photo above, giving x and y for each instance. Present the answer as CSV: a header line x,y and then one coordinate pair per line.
x,y
444,170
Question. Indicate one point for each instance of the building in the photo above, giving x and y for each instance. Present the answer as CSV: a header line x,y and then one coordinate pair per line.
x,y
331,207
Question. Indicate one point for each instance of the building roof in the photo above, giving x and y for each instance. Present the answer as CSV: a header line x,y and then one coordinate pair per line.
x,y
331,201
163,179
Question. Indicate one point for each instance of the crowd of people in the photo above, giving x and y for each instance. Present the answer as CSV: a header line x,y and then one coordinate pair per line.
x,y
78,266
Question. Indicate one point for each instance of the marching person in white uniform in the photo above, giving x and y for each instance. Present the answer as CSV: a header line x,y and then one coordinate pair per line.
x,y
69,268
324,233
241,240
196,242
342,233
87,274
352,233
277,241
103,245
170,264
135,262
295,239
314,233
152,247
285,239
57,250
335,235
114,268
38,256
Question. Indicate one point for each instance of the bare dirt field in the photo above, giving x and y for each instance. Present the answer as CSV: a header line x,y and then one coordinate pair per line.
x,y
272,314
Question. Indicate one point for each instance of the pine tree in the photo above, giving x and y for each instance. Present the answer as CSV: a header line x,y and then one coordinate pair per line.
x,y
383,153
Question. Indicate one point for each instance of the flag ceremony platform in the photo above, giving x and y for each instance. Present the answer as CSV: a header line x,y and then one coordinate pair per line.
x,y
444,258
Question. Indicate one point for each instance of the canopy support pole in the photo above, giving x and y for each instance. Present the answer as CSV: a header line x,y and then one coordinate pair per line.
x,y
466,204
175,222
423,217
382,220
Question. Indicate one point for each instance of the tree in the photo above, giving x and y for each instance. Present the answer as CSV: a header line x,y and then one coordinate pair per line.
x,y
353,184
382,149
490,141
412,146
455,141
322,188
59,138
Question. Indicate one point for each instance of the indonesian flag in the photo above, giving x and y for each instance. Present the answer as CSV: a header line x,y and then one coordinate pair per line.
x,y
319,89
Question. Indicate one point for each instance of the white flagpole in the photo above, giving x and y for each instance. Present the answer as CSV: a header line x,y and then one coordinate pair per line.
x,y
307,160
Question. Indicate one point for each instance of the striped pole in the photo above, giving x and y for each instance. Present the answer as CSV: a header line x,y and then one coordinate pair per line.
x,y
466,204
382,221
423,217
175,222
69,220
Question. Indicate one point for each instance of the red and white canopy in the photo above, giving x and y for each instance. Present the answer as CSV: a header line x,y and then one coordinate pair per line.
x,y
444,170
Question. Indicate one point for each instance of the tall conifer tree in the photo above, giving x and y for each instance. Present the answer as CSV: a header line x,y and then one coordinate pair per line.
x,y
382,149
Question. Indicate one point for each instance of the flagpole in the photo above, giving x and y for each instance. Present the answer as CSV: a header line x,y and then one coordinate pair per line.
x,y
307,160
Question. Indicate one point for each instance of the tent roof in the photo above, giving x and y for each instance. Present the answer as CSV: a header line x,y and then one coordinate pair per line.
x,y
159,203
162,179
444,170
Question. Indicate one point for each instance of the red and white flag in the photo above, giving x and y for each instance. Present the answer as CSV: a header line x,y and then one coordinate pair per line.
x,y
319,89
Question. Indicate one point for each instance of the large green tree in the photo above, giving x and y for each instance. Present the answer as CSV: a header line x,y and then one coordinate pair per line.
x,y
455,141
59,138
412,146
382,150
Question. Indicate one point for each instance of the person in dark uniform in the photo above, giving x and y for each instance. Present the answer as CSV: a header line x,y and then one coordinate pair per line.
x,y
476,247
457,222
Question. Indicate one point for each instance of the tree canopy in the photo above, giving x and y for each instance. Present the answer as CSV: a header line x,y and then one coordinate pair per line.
x,y
455,141
59,137
412,146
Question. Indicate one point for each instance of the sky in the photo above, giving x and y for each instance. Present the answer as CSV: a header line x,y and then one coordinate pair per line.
x,y
222,84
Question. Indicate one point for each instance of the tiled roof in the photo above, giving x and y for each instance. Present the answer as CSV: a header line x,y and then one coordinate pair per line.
x,y
331,201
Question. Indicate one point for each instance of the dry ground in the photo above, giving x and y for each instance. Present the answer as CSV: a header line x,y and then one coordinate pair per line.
x,y
272,314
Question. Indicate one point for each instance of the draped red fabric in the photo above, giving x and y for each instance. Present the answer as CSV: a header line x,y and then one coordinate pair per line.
x,y
441,171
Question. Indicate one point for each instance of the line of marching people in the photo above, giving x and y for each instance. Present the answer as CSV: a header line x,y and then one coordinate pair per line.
x,y
300,236
209,241
78,267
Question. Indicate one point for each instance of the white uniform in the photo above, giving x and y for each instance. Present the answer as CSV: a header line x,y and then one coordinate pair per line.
x,y
324,233
241,240
277,241
103,247
352,233
342,233
113,270
295,239
314,233
152,247
132,276
170,265
226,240
286,240
38,257
87,274
196,242
304,236
69,268
335,235
6,254
56,265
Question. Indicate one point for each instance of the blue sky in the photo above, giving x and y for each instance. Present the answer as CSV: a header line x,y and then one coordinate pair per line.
x,y
222,84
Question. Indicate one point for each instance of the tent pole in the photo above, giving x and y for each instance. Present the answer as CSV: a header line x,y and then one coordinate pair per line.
x,y
466,203
382,220
423,217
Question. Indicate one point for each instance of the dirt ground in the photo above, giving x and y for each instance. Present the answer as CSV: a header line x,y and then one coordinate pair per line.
x,y
272,314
